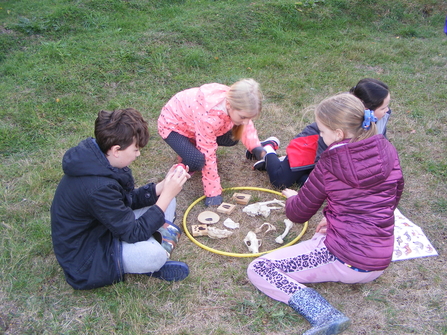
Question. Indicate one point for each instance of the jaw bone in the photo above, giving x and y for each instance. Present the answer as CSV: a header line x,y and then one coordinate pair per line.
x,y
269,226
289,225
261,208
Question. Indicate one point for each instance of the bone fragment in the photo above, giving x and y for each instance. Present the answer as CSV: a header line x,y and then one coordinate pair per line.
x,y
216,233
269,226
231,224
261,208
289,225
252,242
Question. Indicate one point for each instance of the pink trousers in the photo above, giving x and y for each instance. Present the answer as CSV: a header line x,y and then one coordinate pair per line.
x,y
281,273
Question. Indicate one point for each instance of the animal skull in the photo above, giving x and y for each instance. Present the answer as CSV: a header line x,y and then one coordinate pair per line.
x,y
261,208
252,242
289,225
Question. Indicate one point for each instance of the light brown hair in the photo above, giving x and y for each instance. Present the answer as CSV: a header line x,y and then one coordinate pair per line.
x,y
245,95
346,112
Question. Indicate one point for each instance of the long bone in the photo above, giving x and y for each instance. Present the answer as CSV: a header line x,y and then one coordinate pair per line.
x,y
261,208
252,242
289,225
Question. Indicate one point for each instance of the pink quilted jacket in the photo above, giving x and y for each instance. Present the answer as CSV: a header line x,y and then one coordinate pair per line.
x,y
200,113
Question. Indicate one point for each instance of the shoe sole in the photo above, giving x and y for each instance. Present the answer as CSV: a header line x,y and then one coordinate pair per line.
x,y
259,165
274,139
172,271
330,329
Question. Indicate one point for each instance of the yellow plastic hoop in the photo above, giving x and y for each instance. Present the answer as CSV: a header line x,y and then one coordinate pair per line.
x,y
224,253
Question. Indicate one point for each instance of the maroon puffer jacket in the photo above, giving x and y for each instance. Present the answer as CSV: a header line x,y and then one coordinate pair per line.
x,y
362,183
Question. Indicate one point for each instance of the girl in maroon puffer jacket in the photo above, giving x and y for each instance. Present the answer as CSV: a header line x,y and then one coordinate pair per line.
x,y
359,176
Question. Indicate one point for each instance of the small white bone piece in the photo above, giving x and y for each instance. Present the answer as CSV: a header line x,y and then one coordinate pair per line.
x,y
289,225
261,208
216,233
231,224
252,242
270,227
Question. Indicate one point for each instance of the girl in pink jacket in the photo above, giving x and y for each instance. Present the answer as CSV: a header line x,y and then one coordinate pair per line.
x,y
196,121
360,178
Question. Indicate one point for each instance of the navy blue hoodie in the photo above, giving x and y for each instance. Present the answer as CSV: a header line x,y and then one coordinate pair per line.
x,y
92,212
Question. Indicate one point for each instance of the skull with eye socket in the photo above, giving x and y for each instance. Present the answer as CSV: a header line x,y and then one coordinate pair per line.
x,y
252,242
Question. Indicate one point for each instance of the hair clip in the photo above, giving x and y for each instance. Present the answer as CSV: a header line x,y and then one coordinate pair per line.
x,y
368,118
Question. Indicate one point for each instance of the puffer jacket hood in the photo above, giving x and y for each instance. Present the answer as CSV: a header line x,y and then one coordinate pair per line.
x,y
361,164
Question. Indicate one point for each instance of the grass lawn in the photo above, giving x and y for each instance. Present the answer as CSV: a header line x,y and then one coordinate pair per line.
x,y
62,61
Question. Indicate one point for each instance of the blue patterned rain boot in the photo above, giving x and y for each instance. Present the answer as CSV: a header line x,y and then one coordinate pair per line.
x,y
324,319
170,235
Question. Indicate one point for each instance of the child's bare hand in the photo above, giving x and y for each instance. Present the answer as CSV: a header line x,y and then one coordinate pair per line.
x,y
178,166
289,193
175,179
322,226
169,187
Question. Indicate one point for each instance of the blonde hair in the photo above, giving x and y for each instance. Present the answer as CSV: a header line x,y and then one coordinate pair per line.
x,y
346,112
245,95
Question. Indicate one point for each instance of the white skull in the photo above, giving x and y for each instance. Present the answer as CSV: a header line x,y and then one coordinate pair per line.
x,y
252,242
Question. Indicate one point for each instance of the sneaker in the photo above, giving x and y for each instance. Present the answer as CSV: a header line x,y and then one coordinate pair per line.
x,y
259,165
272,141
171,271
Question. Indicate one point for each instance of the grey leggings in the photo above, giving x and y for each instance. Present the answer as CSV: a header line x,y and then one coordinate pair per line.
x,y
146,256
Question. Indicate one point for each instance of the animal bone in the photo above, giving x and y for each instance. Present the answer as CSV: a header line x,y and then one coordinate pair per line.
x,y
289,225
261,208
215,233
270,227
231,224
252,242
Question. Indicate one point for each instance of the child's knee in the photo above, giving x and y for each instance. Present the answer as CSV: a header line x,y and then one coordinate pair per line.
x,y
257,264
155,259
195,163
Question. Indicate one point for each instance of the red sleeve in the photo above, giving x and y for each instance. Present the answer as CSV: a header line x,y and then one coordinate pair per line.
x,y
302,151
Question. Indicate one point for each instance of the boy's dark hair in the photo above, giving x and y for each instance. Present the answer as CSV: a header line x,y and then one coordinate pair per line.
x,y
121,127
371,91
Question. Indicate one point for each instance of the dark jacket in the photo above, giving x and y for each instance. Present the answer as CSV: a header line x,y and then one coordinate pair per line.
x,y
362,183
304,151
92,212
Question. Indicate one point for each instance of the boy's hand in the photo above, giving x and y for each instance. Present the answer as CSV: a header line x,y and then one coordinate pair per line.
x,y
169,187
175,179
179,166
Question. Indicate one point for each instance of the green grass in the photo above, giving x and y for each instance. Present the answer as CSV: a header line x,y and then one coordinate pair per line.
x,y
61,61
